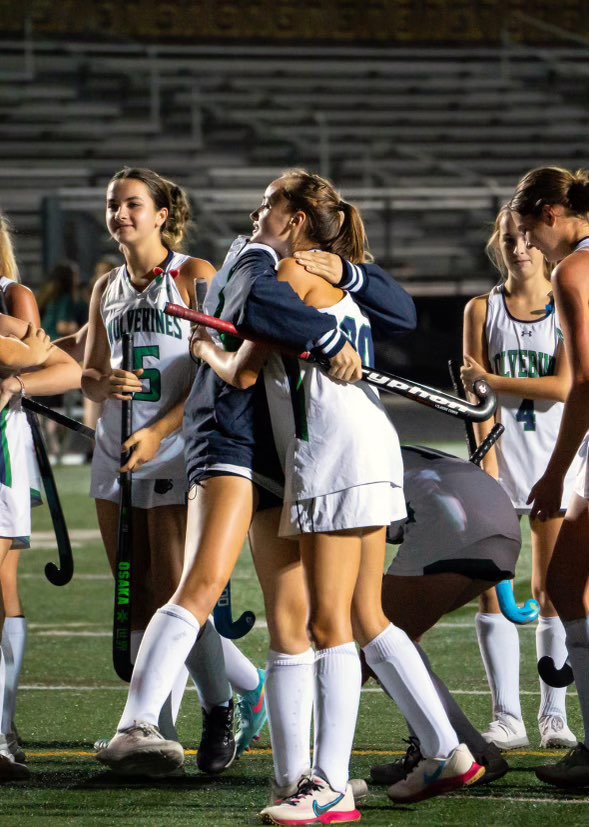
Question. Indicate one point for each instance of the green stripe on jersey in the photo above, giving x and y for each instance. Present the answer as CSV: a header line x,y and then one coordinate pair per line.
x,y
5,465
297,396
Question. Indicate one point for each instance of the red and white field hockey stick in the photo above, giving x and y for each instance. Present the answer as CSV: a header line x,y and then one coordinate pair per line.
x,y
430,397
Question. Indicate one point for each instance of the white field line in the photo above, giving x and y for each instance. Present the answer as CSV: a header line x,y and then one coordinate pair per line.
x,y
261,624
512,799
39,687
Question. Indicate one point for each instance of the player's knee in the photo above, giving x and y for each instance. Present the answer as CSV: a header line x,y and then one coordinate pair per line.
x,y
328,632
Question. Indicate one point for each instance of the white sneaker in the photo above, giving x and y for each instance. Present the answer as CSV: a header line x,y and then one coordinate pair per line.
x,y
436,776
314,802
507,733
141,749
358,785
554,732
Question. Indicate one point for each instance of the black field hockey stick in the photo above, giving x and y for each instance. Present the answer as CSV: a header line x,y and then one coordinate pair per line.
x,y
476,454
424,395
121,633
62,574
504,590
553,676
223,612
224,623
61,419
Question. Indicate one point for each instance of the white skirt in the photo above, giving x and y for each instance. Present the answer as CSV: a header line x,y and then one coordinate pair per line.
x,y
372,504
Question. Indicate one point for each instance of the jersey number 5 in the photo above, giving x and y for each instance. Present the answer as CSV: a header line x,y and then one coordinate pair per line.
x,y
152,375
527,414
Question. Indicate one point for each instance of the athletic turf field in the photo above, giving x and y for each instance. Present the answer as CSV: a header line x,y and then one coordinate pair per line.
x,y
70,696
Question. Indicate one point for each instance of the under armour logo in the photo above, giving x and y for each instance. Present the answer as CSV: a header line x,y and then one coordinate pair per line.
x,y
526,332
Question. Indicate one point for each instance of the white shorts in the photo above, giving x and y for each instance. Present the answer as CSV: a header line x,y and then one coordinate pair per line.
x,y
492,558
581,486
373,504
15,497
145,493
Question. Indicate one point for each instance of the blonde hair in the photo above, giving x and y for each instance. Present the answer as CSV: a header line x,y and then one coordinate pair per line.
x,y
493,245
8,265
552,185
165,194
334,225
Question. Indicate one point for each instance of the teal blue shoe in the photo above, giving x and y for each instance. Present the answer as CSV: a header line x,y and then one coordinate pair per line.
x,y
251,714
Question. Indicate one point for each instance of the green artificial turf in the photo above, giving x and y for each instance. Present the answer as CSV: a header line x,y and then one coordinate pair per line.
x,y
70,696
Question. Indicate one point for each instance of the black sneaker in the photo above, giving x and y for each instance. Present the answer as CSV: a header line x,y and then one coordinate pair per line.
x,y
570,771
398,770
216,750
494,763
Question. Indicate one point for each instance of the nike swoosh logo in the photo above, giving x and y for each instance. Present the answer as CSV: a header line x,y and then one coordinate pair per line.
x,y
258,707
320,810
430,779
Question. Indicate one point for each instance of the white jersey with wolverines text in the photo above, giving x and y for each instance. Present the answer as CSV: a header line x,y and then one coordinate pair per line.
x,y
524,349
160,348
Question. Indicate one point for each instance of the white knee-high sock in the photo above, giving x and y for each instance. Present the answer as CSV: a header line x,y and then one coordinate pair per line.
x,y
577,640
168,639
290,686
404,677
242,674
169,711
499,645
550,641
206,666
14,641
338,681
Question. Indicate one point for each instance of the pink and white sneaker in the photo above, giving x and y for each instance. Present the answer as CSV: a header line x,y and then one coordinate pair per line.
x,y
436,776
314,802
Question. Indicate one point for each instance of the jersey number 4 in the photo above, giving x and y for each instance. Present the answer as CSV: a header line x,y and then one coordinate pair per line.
x,y
527,414
152,375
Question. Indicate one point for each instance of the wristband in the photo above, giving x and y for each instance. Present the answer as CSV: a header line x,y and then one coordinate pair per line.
x,y
22,386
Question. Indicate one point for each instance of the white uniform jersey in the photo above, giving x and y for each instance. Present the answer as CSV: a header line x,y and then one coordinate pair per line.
x,y
334,437
32,466
160,347
524,349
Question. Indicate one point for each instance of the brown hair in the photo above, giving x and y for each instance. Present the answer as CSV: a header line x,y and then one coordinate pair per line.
x,y
8,265
334,224
552,185
165,195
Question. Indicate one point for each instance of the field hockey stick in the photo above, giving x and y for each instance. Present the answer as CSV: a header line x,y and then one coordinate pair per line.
x,y
223,612
62,574
430,397
555,677
224,623
504,590
61,419
477,454
454,369
121,635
